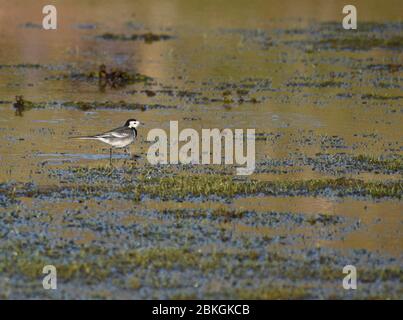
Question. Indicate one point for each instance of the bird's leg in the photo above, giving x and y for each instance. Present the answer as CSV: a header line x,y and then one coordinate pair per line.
x,y
133,157
125,159
110,156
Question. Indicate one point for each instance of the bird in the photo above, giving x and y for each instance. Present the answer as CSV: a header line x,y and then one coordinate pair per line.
x,y
117,138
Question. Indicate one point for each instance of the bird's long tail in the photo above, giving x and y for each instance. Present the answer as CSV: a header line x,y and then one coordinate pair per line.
x,y
84,137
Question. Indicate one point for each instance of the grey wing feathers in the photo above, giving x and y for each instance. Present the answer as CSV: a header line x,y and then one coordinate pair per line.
x,y
121,132
113,135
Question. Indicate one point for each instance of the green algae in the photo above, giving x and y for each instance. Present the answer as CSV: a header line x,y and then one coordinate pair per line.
x,y
387,164
175,187
224,186
362,43
166,185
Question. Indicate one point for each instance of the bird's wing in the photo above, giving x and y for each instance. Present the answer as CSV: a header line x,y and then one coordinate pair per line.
x,y
116,133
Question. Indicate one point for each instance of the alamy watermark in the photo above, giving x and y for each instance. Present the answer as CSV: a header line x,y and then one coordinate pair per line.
x,y
350,20
49,21
50,280
211,141
350,280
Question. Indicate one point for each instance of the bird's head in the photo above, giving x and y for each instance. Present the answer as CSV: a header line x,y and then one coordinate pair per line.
x,y
132,123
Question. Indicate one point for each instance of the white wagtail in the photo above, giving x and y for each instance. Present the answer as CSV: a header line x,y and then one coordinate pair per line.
x,y
117,138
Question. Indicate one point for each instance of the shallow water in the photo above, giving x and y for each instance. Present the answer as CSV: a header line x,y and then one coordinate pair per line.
x,y
320,112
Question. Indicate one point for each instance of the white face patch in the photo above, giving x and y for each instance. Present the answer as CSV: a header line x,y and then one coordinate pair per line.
x,y
134,124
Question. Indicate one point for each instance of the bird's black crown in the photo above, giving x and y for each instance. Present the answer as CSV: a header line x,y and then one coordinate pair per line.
x,y
128,122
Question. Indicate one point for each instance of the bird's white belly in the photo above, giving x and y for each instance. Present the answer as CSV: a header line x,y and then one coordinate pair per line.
x,y
118,143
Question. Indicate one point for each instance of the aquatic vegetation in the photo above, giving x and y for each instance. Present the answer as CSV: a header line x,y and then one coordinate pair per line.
x,y
168,267
342,163
179,187
150,93
366,26
102,265
391,67
146,37
8,199
324,84
21,66
194,186
239,96
22,105
115,77
362,43
273,293
380,97
395,164
118,78
113,105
